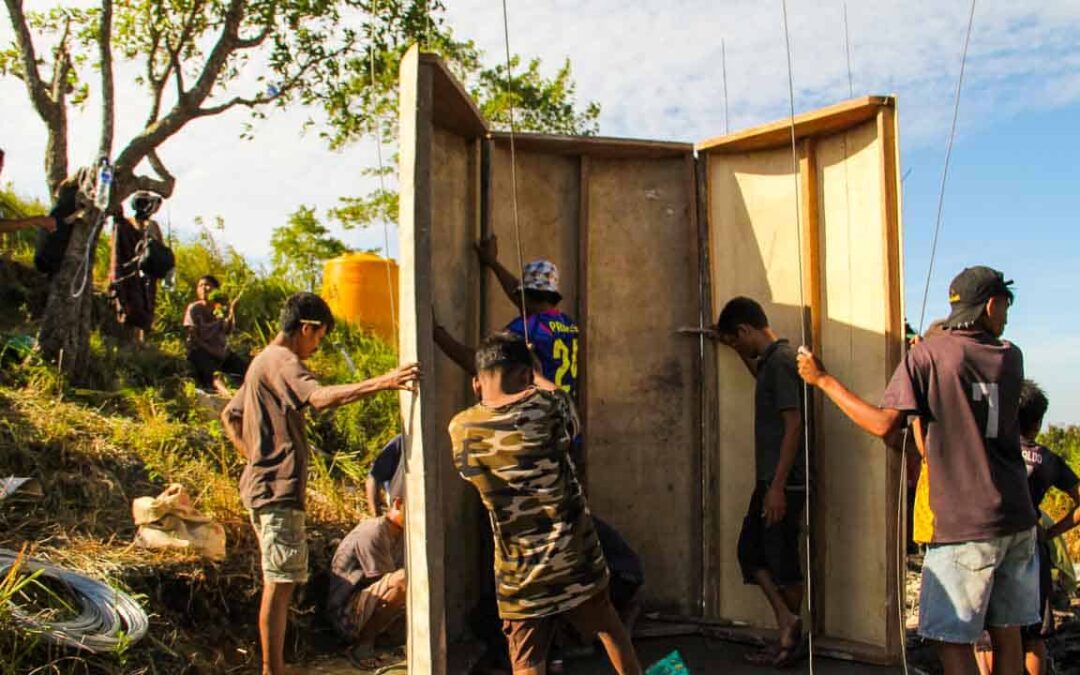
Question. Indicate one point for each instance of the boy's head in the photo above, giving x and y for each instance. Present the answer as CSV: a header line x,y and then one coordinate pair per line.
x,y
742,325
503,365
980,298
1033,405
540,281
205,286
305,321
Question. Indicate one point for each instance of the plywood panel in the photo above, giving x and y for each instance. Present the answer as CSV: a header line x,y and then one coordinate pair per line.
x,y
643,422
548,204
853,484
754,251
455,294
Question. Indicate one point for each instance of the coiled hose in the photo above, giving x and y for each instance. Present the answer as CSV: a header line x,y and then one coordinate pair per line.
x,y
107,617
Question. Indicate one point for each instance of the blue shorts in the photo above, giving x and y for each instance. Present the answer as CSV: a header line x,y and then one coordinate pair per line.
x,y
975,584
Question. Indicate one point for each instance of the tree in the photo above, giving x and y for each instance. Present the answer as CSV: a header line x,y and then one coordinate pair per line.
x,y
192,55
301,247
543,105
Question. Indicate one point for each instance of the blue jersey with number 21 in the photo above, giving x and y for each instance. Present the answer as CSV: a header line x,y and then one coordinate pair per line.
x,y
554,337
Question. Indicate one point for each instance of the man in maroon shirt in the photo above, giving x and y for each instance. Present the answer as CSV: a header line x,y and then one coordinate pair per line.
x,y
964,383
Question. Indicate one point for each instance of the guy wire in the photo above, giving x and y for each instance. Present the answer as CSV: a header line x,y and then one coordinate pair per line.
x,y
513,171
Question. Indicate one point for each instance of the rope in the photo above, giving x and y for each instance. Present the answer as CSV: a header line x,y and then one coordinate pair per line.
x,y
901,541
945,169
513,170
723,67
107,619
382,190
802,331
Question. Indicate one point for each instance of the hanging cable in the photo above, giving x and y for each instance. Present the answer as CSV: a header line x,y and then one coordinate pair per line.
x,y
513,171
723,68
945,168
802,331
847,50
382,191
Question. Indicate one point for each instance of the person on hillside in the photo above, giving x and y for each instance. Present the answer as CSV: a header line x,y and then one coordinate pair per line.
x,y
381,474
513,447
980,567
265,421
552,334
366,594
768,548
208,350
134,292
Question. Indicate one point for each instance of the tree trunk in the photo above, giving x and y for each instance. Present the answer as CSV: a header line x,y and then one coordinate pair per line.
x,y
64,333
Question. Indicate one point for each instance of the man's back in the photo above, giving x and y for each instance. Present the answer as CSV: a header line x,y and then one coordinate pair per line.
x,y
966,385
373,548
547,556
554,336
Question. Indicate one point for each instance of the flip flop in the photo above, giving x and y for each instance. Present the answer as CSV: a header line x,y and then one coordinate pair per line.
x,y
363,657
762,657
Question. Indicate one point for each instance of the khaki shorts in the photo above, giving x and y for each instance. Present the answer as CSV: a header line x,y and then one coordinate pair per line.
x,y
282,544
363,604
529,640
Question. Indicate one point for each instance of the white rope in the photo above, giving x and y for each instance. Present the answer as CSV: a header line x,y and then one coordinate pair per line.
x,y
723,68
513,171
945,168
847,50
802,332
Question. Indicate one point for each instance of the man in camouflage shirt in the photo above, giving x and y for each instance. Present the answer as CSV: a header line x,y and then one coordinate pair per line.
x,y
513,447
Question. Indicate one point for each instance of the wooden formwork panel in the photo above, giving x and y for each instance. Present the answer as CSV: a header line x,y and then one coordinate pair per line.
x,y
754,251
820,233
643,428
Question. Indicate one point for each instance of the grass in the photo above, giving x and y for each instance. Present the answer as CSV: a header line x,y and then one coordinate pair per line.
x,y
141,426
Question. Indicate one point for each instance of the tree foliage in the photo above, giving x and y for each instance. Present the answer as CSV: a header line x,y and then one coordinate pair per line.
x,y
301,247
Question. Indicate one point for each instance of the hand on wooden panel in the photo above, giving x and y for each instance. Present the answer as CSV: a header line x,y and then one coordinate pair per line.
x,y
487,250
811,369
404,378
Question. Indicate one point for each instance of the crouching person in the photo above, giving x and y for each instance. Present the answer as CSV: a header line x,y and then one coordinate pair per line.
x,y
514,447
367,583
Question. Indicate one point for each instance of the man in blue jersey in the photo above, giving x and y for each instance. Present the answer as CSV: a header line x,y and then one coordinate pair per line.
x,y
552,334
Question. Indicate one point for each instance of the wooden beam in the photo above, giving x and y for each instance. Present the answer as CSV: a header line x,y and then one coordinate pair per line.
x,y
896,548
595,146
424,531
452,107
582,314
818,122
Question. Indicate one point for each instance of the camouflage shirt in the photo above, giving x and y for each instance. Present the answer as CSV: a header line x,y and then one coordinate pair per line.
x,y
547,556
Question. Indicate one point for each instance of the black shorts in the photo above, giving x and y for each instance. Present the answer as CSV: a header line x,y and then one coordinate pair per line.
x,y
204,365
773,549
1044,628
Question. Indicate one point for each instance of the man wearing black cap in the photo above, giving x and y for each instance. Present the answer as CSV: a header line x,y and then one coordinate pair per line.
x,y
964,383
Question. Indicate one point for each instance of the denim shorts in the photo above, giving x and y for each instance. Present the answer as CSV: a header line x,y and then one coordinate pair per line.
x,y
971,585
282,544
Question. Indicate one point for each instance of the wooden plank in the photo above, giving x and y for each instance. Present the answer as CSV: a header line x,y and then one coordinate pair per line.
x,y
855,488
643,429
581,313
894,339
425,531
815,123
452,107
594,146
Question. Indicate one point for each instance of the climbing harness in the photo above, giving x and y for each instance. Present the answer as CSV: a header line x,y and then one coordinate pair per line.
x,y
101,187
513,170
802,331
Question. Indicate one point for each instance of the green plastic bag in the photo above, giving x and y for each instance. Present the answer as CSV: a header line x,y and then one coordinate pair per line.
x,y
672,664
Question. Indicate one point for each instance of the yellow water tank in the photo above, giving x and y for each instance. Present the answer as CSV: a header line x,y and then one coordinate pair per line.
x,y
356,287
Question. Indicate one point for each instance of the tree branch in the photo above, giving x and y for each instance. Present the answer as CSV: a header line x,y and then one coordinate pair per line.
x,y
108,92
61,66
39,96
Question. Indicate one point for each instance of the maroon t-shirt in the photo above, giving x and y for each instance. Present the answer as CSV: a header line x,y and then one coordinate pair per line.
x,y
965,384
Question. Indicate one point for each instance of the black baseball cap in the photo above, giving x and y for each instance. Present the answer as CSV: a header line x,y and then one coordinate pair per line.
x,y
970,291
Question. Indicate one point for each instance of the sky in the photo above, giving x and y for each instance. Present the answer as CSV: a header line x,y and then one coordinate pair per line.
x,y
1012,199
